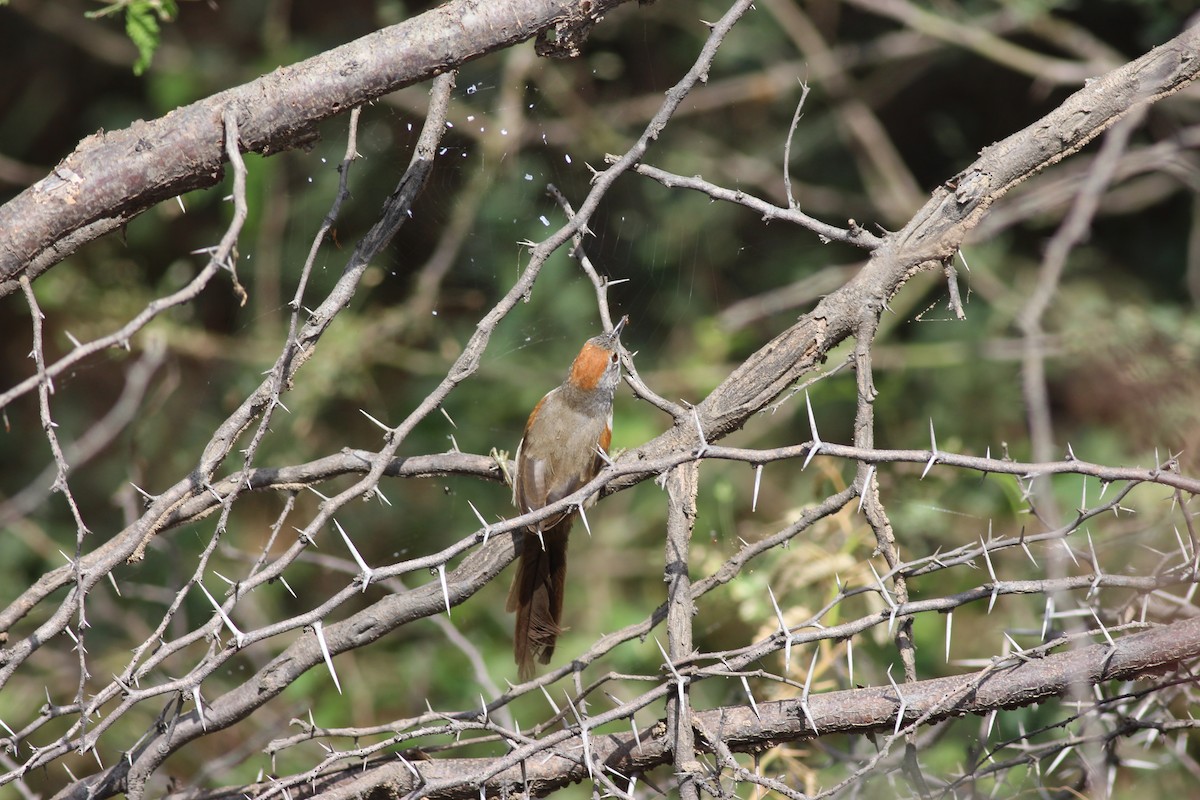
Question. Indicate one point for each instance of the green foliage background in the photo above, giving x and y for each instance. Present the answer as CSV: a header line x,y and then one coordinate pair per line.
x,y
1126,339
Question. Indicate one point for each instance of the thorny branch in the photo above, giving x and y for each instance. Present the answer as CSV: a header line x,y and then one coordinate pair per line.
x,y
1152,630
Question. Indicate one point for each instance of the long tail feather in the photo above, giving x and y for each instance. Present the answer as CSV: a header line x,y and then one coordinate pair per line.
x,y
537,596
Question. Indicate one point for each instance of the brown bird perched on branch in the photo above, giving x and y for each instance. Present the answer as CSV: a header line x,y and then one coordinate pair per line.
x,y
564,446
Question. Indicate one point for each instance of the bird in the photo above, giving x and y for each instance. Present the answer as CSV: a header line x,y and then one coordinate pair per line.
x,y
565,445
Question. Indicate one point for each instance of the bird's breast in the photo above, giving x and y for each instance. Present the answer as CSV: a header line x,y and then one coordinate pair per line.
x,y
559,452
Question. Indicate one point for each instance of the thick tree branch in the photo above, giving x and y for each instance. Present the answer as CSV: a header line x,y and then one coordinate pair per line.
x,y
1017,683
933,235
119,174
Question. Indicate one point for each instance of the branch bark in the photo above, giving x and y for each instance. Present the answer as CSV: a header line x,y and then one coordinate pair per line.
x,y
1023,682
934,235
112,176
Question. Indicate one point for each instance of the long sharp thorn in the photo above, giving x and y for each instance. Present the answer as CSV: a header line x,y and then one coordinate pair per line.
x,y
583,735
882,589
903,702
866,486
783,628
604,456
1070,552
366,572
933,455
758,468
850,661
199,707
1025,547
410,767
812,668
445,588
1103,629
1092,549
1178,540
320,631
381,425
778,613
550,700
1047,616
816,437
238,636
991,572
1059,758
487,529
679,679
750,695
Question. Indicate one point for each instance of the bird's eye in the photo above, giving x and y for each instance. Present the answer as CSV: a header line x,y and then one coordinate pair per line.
x,y
615,358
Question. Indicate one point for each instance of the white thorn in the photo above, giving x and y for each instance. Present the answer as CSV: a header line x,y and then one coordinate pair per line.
x,y
903,702
1103,629
991,572
812,667
381,425
142,491
850,660
1059,758
757,482
882,589
238,636
487,529
816,437
934,453
445,588
199,707
320,631
866,485
411,768
550,700
1070,552
750,695
778,613
366,572
583,734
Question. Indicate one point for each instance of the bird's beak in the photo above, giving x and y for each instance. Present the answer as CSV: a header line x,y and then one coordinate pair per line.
x,y
616,331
